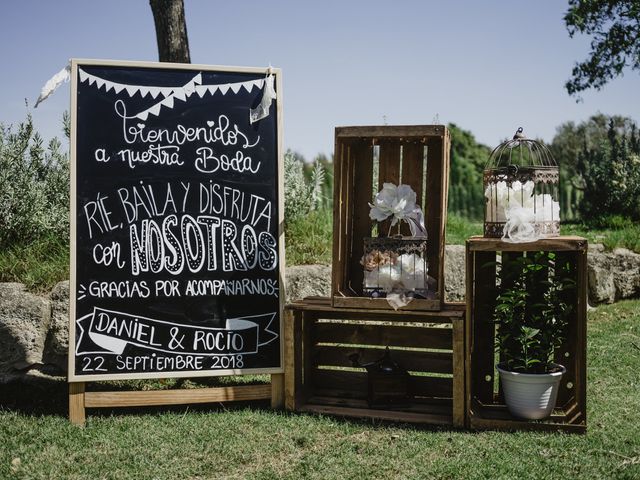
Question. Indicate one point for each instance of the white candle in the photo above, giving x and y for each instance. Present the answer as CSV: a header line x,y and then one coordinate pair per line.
x,y
500,197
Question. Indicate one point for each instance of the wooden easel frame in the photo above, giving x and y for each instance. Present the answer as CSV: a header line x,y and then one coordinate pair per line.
x,y
79,398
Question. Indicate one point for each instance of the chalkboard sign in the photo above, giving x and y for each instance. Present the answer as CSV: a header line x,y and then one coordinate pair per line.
x,y
177,252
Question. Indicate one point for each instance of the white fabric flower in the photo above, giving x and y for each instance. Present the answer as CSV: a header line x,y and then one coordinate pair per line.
x,y
398,203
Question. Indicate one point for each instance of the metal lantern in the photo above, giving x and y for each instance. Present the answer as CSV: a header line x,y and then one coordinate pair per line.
x,y
387,381
521,178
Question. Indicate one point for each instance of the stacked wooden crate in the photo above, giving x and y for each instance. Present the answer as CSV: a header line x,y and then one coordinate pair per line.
x,y
365,159
426,337
485,407
319,376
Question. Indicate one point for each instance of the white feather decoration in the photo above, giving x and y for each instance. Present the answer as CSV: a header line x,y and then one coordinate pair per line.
x,y
53,83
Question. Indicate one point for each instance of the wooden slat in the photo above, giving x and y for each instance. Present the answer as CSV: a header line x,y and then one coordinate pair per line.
x,y
390,315
468,330
435,216
387,415
436,406
431,386
361,194
477,423
338,269
338,383
498,417
312,300
77,403
177,397
567,353
458,373
454,306
343,218
557,244
383,335
277,390
415,361
570,344
581,337
354,384
389,171
445,180
482,346
574,344
510,272
306,323
412,173
298,358
381,303
347,217
412,166
400,131
292,383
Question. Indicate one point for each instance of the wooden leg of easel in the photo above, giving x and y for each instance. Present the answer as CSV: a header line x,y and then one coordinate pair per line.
x,y
76,403
277,390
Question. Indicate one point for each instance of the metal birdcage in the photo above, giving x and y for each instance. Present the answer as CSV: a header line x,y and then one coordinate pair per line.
x,y
521,178
393,264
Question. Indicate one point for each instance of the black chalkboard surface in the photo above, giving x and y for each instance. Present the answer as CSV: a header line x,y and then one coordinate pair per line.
x,y
176,256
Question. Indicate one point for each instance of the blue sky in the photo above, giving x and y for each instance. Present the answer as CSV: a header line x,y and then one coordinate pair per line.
x,y
488,66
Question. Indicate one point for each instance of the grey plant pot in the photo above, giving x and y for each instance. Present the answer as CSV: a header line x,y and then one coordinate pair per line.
x,y
531,395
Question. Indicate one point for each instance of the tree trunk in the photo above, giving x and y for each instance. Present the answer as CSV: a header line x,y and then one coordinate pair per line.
x,y
171,30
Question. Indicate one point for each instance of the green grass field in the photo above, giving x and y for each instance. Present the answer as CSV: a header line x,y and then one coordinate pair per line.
x,y
39,264
251,441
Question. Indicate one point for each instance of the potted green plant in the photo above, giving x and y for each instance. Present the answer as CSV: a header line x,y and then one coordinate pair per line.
x,y
532,309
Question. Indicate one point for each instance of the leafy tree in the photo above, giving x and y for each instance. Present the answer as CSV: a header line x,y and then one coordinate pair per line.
x,y
571,138
611,177
569,142
468,159
615,28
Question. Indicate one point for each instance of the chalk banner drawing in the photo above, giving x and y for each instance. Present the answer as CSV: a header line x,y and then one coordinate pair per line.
x,y
176,256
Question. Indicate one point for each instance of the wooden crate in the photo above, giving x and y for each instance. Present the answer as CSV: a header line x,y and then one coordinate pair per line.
x,y
485,406
365,158
319,376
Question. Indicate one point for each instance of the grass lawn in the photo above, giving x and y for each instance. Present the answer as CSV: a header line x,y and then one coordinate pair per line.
x,y
627,235
308,239
250,441
39,265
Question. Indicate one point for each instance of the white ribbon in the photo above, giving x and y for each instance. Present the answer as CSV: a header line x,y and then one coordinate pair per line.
x,y
519,227
399,204
397,300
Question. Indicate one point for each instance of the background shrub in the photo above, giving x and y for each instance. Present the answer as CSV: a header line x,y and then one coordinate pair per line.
x,y
34,186
611,177
301,194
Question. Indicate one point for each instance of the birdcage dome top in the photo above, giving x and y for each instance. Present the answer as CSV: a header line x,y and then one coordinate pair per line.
x,y
521,153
